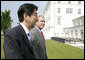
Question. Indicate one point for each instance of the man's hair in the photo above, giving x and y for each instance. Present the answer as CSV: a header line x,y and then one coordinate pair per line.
x,y
26,8
41,16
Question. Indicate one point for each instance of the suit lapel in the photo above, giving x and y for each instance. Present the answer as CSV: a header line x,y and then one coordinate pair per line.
x,y
25,36
39,33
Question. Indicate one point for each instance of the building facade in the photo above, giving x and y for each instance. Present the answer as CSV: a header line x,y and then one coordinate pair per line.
x,y
59,15
77,31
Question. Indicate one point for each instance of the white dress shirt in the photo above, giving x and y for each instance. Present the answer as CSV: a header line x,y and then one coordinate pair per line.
x,y
28,33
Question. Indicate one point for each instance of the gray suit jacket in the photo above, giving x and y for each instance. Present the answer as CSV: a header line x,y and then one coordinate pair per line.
x,y
38,43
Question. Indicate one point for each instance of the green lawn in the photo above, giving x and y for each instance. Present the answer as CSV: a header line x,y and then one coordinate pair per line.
x,y
57,50
2,52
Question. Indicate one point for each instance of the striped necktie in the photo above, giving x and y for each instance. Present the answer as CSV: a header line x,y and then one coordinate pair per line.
x,y
29,37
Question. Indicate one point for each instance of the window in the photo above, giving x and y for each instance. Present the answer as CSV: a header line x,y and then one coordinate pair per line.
x,y
82,21
58,20
79,2
59,2
69,10
58,10
76,32
74,22
78,22
79,11
72,33
69,2
81,32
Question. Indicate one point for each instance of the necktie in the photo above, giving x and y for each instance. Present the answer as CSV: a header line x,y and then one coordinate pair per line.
x,y
42,35
29,37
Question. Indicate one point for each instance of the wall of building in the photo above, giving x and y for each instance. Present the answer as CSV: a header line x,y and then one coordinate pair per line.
x,y
53,15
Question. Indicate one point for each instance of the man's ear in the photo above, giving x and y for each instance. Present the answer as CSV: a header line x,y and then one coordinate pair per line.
x,y
25,15
36,23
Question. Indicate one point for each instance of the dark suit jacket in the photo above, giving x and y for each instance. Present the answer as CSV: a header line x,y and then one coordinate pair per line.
x,y
16,44
38,44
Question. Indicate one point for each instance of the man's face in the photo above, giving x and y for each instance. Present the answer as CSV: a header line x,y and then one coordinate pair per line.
x,y
31,20
40,23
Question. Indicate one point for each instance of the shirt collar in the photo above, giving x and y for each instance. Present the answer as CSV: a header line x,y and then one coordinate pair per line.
x,y
25,28
38,29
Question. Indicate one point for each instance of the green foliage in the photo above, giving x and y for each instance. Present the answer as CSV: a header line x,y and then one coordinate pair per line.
x,y
58,50
5,21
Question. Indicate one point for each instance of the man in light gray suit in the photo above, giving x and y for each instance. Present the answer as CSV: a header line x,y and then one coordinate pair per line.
x,y
38,40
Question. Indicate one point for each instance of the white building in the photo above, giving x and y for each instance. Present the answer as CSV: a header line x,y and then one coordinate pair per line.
x,y
59,15
77,31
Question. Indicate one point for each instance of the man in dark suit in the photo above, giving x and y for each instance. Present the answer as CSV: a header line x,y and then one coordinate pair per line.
x,y
38,41
17,41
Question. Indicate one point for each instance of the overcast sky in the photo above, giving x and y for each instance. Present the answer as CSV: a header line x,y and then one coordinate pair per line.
x,y
14,5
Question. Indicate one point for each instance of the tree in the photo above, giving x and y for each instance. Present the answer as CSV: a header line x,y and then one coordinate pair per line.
x,y
5,21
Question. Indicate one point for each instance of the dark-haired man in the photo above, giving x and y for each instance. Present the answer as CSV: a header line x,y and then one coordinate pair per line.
x,y
17,41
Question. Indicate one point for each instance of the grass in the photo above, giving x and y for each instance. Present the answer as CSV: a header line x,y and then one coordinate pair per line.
x,y
2,52
57,50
